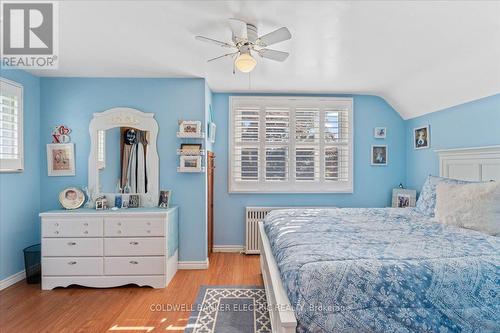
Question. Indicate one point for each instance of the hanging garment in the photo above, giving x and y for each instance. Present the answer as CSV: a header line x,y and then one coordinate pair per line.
x,y
132,169
141,169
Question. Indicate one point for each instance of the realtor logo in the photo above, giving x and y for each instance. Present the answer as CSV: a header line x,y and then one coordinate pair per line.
x,y
29,38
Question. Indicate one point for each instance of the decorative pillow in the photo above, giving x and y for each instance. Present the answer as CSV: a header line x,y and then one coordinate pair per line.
x,y
473,206
426,202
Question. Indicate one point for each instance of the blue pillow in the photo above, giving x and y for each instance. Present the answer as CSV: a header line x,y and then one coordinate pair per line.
x,y
426,202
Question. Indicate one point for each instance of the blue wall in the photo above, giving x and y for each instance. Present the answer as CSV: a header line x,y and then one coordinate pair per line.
x,y
372,184
72,101
472,124
20,192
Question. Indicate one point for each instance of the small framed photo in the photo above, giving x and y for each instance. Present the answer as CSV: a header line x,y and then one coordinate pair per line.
x,y
190,128
379,155
134,201
164,200
421,137
402,198
190,163
380,132
71,198
191,148
61,159
101,203
212,129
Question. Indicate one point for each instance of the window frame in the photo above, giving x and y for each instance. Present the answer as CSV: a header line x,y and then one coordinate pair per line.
x,y
291,185
15,165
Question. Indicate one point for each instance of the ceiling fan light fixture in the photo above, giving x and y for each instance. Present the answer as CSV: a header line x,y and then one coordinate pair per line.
x,y
245,63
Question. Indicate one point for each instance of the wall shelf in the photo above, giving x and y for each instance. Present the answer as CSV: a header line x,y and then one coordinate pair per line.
x,y
190,171
191,152
190,136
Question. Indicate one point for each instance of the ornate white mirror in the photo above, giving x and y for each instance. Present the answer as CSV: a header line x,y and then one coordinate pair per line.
x,y
123,156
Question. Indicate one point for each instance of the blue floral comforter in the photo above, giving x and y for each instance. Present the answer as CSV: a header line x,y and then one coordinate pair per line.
x,y
385,270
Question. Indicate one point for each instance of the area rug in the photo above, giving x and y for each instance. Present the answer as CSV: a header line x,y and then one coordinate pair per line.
x,y
229,309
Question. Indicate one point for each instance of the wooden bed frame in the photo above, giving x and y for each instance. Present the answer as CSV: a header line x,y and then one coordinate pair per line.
x,y
475,164
280,310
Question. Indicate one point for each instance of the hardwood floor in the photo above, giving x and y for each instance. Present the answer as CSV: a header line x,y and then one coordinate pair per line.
x,y
26,308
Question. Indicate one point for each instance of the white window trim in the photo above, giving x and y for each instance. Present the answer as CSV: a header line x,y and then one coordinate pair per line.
x,y
291,186
16,165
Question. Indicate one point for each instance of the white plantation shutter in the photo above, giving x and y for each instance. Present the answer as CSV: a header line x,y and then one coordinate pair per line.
x,y
11,126
287,144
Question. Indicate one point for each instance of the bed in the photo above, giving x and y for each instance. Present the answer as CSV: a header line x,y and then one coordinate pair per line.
x,y
382,269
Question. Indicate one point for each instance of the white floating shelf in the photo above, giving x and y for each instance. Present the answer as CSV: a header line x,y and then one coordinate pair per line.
x,y
190,136
190,171
191,152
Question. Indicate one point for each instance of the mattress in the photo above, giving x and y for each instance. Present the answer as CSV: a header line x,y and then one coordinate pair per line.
x,y
385,270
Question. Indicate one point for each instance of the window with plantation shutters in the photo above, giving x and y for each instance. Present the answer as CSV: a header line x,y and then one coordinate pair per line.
x,y
11,126
290,144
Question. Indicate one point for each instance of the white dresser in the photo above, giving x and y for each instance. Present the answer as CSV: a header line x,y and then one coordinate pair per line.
x,y
109,248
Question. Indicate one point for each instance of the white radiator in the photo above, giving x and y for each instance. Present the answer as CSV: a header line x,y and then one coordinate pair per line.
x,y
253,216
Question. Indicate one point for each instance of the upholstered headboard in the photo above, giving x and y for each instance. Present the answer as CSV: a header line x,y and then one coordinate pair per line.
x,y
475,164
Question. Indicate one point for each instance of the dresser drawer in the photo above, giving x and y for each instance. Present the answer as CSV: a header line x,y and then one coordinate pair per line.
x,y
134,246
72,266
70,247
134,266
77,227
133,227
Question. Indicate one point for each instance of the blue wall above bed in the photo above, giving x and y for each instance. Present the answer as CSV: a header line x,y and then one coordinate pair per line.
x,y
372,184
472,124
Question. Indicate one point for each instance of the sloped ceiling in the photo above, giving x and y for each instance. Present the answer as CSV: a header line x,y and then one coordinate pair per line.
x,y
421,56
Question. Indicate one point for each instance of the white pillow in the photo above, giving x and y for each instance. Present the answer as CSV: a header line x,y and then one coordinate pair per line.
x,y
473,206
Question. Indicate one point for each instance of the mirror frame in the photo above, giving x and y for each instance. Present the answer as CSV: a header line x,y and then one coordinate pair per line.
x,y
126,117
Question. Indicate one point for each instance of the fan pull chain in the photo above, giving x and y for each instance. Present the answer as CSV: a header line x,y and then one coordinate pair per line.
x,y
250,81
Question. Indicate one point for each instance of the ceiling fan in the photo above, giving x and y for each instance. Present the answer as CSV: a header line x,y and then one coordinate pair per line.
x,y
245,40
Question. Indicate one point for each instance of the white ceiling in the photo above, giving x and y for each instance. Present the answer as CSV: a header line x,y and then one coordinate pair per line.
x,y
421,56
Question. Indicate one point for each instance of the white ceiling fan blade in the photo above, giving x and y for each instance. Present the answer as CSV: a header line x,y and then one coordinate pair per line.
x,y
273,54
239,28
274,37
222,56
214,41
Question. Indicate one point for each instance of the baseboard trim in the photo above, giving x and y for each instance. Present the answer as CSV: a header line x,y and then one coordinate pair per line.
x,y
203,264
10,280
228,248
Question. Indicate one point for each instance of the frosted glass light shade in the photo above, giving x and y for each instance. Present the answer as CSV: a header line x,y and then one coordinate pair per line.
x,y
245,63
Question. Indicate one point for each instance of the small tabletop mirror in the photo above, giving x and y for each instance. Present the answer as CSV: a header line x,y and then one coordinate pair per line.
x,y
123,157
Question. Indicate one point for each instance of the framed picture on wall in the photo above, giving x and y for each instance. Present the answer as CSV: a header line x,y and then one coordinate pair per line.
x,y
190,128
379,155
421,137
61,159
190,163
380,132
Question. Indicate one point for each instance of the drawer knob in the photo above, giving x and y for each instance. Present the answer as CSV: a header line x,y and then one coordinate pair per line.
x,y
72,263
56,232
56,224
133,262
149,231
134,243
119,231
149,223
85,224
71,243
85,232
119,223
